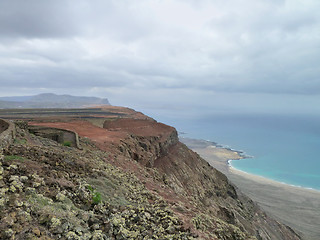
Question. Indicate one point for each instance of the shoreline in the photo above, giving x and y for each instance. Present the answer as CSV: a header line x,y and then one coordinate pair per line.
x,y
297,207
238,171
244,155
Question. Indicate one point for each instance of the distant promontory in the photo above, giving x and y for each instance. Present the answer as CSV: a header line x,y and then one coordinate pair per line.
x,y
50,100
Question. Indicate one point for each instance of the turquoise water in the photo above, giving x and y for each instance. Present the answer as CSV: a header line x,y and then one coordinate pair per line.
x,y
285,148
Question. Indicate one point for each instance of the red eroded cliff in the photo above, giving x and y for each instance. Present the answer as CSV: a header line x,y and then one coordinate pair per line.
x,y
201,196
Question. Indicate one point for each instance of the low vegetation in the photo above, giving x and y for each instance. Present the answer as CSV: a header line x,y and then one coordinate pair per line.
x,y
67,143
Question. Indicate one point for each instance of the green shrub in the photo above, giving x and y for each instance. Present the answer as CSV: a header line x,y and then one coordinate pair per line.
x,y
90,188
96,196
20,141
12,157
67,143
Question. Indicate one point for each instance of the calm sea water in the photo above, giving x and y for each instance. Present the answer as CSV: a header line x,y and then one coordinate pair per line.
x,y
285,148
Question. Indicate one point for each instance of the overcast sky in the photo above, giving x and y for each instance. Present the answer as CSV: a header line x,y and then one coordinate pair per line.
x,y
214,54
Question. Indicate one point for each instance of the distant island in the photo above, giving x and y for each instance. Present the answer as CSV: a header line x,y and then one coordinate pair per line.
x,y
51,100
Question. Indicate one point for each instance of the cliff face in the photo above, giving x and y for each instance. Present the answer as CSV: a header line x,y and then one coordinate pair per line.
x,y
146,140
132,179
220,212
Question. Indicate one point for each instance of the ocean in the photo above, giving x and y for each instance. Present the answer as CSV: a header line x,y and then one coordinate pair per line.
x,y
284,148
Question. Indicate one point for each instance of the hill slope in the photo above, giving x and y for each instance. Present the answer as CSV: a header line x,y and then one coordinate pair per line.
x,y
131,179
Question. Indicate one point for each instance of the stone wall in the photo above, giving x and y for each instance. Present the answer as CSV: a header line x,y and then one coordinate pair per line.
x,y
7,133
3,125
59,135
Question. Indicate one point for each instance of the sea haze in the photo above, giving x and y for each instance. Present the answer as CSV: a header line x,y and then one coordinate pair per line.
x,y
285,148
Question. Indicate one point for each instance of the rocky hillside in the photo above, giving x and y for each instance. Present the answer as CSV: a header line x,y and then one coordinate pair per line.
x,y
131,179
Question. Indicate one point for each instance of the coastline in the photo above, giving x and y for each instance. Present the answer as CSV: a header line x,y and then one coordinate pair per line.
x,y
234,170
298,207
240,155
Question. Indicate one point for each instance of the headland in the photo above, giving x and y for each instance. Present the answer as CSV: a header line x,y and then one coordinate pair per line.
x,y
114,173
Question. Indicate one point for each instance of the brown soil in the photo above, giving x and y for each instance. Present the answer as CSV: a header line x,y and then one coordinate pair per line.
x,y
114,131
98,135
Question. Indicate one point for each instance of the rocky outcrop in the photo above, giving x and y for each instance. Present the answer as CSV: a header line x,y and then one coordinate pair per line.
x,y
146,150
7,133
146,140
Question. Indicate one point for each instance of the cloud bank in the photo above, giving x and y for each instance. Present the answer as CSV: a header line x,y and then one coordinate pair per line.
x,y
149,50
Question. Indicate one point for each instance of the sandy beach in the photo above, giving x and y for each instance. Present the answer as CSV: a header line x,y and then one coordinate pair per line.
x,y
297,207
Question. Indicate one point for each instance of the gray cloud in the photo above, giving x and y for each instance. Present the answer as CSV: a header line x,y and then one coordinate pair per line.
x,y
129,47
39,19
